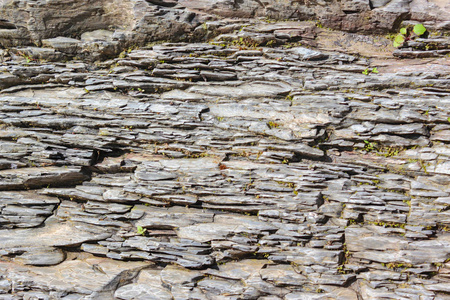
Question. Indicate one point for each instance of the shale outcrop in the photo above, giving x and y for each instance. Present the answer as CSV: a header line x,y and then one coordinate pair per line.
x,y
192,150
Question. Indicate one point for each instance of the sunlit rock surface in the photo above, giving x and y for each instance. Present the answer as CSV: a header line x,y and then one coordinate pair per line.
x,y
257,160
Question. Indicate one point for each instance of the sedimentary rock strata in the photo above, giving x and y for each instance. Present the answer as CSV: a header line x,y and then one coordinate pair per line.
x,y
248,167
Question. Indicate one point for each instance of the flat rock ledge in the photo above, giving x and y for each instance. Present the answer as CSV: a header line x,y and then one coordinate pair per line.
x,y
227,170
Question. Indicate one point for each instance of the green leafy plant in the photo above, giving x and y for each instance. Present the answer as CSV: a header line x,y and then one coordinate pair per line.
x,y
389,151
245,43
369,146
368,71
141,230
407,34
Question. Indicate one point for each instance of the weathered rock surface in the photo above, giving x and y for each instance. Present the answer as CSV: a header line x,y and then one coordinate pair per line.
x,y
105,27
249,167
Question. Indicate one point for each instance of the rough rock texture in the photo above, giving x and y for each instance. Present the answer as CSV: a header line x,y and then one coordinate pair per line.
x,y
137,22
249,167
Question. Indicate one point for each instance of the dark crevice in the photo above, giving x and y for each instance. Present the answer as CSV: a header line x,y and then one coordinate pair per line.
x,y
168,3
5,24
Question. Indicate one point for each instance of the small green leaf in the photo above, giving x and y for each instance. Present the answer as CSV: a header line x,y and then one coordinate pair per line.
x,y
448,119
375,70
419,29
399,40
366,72
403,31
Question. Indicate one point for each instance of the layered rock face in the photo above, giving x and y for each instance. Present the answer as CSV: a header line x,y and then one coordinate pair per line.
x,y
277,160
27,22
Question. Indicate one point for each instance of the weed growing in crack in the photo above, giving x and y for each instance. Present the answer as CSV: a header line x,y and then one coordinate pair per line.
x,y
406,34
368,71
140,230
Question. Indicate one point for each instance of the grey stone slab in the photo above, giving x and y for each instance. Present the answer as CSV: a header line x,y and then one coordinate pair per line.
x,y
142,291
41,256
53,233
84,275
176,217
40,177
243,91
283,275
